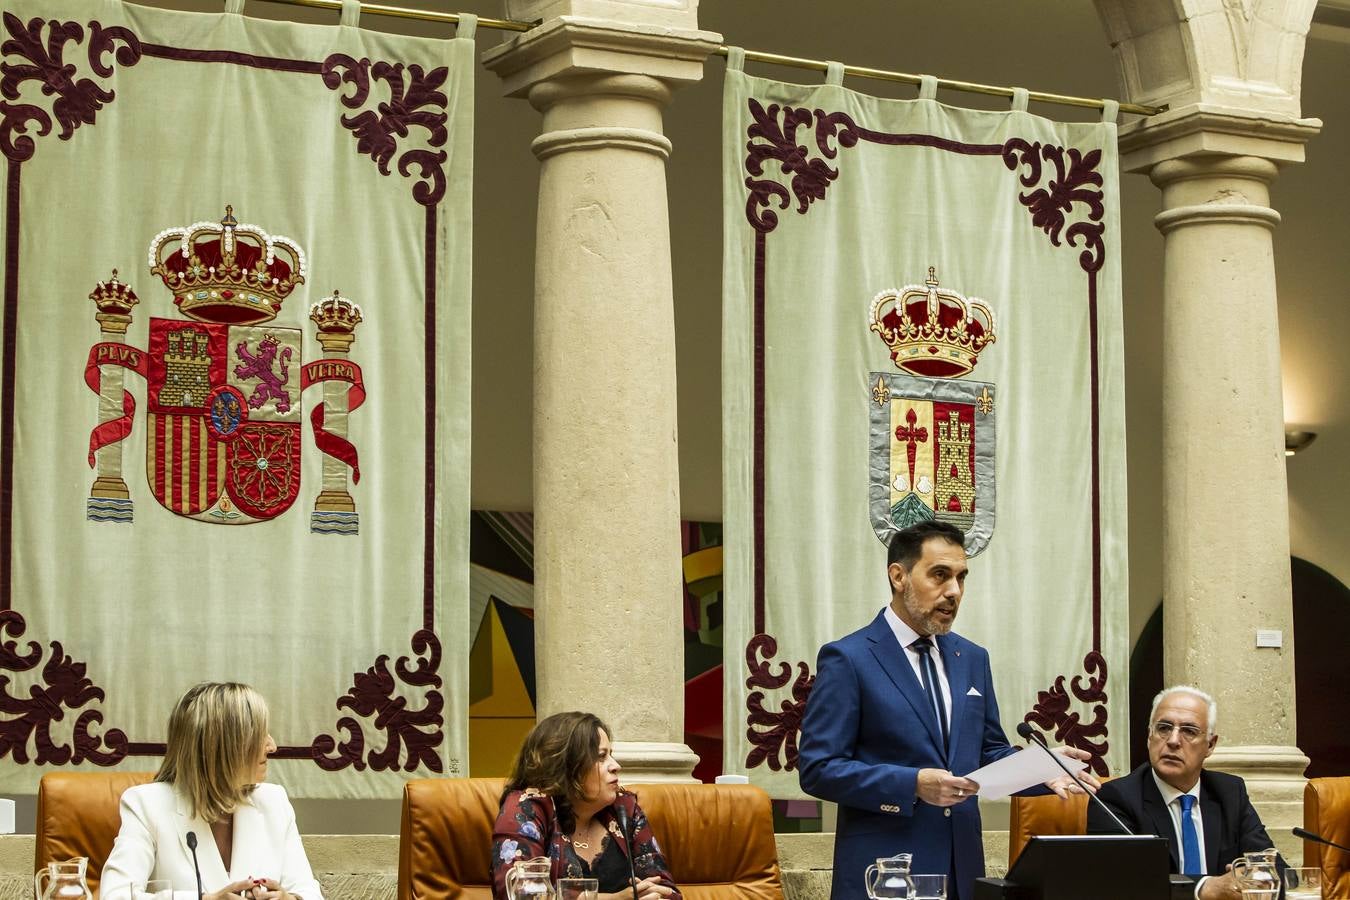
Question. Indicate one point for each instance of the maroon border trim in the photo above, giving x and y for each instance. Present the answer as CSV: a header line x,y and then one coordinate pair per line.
x,y
1096,469
758,470
9,337
929,140
272,63
429,496
11,343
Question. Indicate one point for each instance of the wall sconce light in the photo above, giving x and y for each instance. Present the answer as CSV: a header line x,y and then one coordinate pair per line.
x,y
1294,441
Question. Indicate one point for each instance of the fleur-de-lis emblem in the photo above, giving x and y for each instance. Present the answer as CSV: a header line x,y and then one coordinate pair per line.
x,y
984,403
881,394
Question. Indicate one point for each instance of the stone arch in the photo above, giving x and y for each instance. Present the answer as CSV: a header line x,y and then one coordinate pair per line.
x,y
1237,56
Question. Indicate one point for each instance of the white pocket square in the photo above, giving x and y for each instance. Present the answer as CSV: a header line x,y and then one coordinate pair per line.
x,y
973,693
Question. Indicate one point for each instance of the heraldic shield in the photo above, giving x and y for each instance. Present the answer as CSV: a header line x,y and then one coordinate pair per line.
x,y
223,441
932,455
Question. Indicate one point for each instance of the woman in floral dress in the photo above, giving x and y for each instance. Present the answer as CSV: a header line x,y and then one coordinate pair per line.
x,y
563,802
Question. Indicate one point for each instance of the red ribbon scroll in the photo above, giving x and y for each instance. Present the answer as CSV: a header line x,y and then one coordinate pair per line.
x,y
327,442
110,353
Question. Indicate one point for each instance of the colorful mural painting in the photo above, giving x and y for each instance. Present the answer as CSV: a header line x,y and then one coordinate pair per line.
x,y
501,662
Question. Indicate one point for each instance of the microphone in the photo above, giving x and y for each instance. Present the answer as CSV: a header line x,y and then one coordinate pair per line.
x,y
1032,736
622,815
1317,839
192,845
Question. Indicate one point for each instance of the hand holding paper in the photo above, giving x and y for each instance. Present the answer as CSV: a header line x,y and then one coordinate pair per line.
x,y
1019,771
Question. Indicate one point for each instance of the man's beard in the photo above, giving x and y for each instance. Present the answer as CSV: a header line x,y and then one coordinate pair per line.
x,y
927,622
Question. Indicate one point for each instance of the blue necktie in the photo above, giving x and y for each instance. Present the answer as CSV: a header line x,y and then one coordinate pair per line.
x,y
1191,864
930,683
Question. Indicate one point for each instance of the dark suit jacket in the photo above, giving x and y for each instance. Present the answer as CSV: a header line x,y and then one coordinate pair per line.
x,y
868,729
1231,824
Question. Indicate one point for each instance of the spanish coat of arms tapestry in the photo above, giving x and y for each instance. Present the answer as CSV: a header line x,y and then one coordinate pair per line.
x,y
234,415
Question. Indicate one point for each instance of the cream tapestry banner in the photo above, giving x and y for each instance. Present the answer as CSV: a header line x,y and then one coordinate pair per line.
x,y
234,430
921,320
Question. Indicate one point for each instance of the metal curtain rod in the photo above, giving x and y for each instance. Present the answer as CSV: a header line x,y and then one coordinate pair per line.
x,y
816,65
403,12
970,87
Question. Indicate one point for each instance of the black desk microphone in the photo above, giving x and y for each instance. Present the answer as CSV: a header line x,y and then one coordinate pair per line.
x,y
1031,735
192,845
622,815
1317,839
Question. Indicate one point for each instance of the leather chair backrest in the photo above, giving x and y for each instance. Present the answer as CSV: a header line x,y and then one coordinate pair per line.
x,y
1044,815
718,839
78,815
445,839
1326,811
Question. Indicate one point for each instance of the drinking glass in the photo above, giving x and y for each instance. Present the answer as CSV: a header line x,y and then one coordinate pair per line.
x,y
159,889
578,888
1303,884
929,887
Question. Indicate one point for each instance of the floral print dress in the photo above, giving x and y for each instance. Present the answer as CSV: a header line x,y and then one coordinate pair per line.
x,y
527,827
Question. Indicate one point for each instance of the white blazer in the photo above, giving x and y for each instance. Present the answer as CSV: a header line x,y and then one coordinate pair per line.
x,y
152,843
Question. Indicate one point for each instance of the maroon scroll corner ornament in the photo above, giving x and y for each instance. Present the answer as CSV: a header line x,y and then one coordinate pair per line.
x,y
415,98
773,732
373,696
64,687
1075,182
26,55
772,140
1052,712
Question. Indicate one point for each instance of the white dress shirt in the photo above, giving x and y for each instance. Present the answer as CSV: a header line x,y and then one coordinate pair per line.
x,y
1172,800
906,636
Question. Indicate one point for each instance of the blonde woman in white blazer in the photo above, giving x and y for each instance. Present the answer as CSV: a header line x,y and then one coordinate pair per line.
x,y
211,786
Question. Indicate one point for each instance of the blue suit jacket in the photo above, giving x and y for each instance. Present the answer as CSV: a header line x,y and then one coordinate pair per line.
x,y
867,731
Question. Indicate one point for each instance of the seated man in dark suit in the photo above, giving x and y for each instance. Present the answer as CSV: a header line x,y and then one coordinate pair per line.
x,y
1205,816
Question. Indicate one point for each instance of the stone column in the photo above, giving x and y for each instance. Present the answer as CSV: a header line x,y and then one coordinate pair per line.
x,y
606,474
1225,505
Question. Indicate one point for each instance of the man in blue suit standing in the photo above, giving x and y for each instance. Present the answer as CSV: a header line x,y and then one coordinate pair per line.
x,y
898,707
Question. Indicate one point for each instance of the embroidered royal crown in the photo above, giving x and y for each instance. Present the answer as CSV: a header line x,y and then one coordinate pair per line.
x,y
226,272
337,318
932,331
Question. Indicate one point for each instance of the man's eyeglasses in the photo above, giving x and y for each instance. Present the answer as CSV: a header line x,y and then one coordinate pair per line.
x,y
1162,730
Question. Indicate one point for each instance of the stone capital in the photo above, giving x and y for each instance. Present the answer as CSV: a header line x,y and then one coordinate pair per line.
x,y
1201,130
573,47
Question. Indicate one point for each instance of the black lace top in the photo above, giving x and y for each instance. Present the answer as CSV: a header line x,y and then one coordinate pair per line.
x,y
610,867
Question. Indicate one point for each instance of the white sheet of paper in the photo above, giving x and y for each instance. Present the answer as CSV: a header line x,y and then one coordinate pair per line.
x,y
1019,771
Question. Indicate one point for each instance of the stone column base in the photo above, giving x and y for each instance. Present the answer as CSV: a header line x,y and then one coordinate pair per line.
x,y
109,488
652,762
1275,782
334,501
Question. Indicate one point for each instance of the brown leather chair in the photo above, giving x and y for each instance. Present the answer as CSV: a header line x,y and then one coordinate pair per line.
x,y
78,815
1044,815
718,839
1326,811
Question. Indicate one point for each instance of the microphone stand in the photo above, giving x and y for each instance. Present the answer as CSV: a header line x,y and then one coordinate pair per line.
x,y
1318,839
1032,736
622,815
192,845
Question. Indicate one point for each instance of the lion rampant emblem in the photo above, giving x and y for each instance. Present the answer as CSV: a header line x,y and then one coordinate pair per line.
x,y
270,386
